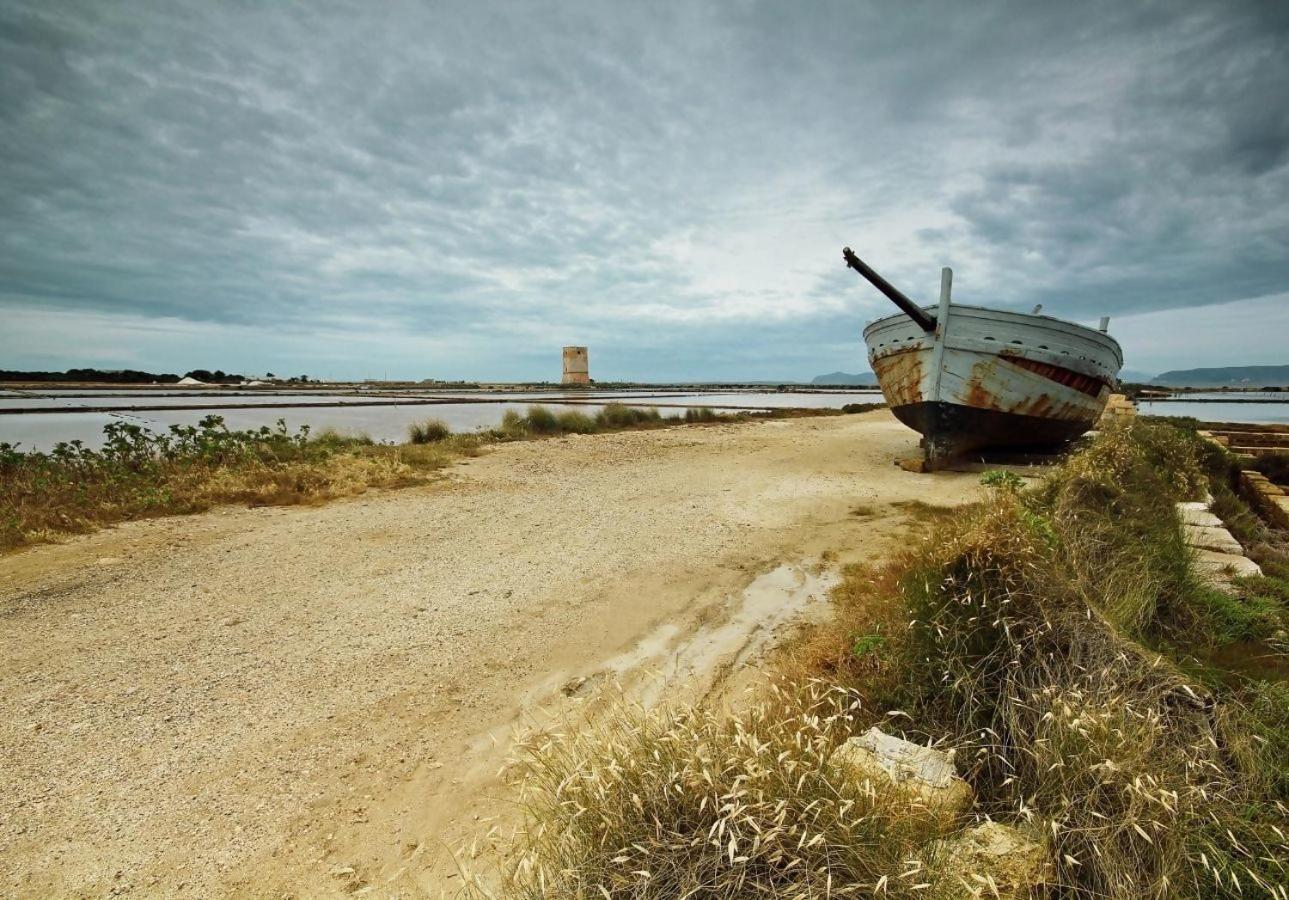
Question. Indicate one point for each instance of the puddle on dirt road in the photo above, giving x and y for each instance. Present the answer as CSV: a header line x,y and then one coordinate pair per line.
x,y
697,659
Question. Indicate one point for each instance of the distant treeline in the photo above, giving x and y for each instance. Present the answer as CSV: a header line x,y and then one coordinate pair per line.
x,y
121,376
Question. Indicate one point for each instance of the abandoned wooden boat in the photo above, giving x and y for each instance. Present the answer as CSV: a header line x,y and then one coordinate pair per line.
x,y
970,378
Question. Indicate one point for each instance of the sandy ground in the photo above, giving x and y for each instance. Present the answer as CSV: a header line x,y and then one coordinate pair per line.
x,y
315,701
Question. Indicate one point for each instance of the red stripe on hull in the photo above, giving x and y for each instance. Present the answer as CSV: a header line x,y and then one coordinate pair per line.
x,y
1084,384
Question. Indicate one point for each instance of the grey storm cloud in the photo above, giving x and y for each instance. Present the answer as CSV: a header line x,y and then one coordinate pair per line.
x,y
673,182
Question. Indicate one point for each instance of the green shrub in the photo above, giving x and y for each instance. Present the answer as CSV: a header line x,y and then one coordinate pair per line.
x,y
867,643
541,420
1002,480
431,431
139,473
513,425
575,422
617,416
702,414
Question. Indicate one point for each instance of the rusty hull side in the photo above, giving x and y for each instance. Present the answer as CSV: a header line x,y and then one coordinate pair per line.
x,y
1020,387
901,374
1003,401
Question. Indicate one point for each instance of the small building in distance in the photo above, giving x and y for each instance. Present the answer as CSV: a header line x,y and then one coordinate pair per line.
x,y
577,368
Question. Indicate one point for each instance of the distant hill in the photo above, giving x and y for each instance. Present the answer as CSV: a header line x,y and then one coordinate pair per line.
x,y
1227,376
1136,376
863,379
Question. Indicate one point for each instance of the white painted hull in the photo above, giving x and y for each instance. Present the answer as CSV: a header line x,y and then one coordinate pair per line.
x,y
990,378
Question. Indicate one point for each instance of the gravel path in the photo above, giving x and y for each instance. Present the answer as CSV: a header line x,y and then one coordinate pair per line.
x,y
313,701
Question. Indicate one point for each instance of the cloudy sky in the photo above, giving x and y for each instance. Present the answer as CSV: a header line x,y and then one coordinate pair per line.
x,y
419,189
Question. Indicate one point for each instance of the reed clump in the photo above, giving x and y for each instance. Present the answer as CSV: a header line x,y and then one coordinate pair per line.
x,y
540,421
702,414
617,416
431,431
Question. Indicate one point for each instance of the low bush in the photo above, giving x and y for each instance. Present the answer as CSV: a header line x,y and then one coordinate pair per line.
x,y
616,416
576,422
513,426
702,414
541,420
332,440
431,431
139,473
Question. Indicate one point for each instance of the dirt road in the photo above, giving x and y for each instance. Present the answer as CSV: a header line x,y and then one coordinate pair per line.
x,y
314,701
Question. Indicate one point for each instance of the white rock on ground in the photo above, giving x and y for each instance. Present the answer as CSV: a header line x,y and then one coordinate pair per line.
x,y
1197,513
1221,567
990,860
922,776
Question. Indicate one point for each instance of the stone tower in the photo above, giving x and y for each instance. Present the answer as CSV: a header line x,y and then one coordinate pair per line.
x,y
577,369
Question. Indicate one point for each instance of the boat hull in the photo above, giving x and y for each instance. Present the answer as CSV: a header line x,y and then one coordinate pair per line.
x,y
989,378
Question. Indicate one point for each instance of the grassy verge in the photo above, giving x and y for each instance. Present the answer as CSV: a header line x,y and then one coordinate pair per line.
x,y
138,473
1047,636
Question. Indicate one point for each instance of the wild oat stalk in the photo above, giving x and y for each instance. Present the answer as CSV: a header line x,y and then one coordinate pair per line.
x,y
688,802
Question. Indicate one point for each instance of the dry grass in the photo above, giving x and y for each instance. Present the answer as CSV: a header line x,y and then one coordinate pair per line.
x,y
139,474
1031,634
1042,628
1130,765
686,802
431,431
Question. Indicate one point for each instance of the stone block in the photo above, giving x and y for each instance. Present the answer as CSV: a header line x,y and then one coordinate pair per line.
x,y
991,860
922,777
1212,537
1219,568
1264,497
1196,513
